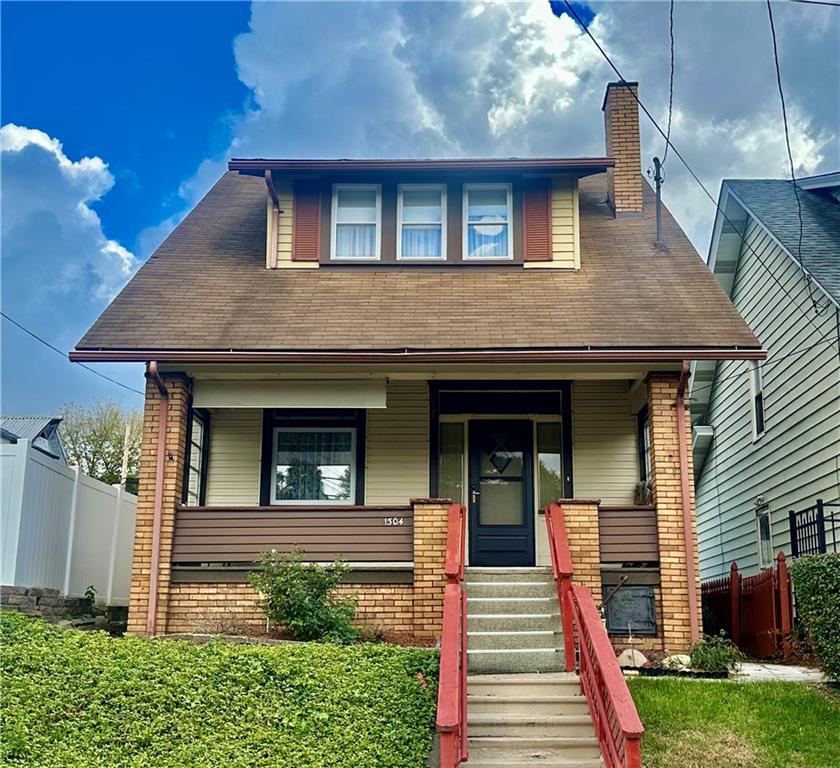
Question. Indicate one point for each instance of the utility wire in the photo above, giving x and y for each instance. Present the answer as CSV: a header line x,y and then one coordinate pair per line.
x,y
805,272
64,355
691,171
670,84
816,2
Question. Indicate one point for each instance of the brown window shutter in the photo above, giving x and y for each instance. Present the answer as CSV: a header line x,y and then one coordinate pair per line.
x,y
306,221
536,208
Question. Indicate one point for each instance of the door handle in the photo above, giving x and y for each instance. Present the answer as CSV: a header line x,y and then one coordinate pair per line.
x,y
475,494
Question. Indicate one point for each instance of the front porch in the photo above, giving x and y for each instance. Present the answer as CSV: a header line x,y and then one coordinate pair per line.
x,y
372,484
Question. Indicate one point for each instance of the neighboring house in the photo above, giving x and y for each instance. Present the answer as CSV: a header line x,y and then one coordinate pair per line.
x,y
339,346
767,436
41,431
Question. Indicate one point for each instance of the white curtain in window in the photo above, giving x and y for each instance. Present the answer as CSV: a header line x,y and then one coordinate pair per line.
x,y
422,224
355,241
421,242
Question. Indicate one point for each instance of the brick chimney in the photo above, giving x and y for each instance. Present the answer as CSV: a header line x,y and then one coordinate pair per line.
x,y
621,127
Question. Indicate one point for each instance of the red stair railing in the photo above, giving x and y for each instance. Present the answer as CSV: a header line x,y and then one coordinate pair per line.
x,y
617,724
452,687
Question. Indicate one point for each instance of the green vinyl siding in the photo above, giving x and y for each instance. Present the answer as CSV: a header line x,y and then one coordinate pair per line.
x,y
798,458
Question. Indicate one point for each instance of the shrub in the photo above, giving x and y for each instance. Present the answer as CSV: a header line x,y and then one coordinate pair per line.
x,y
714,653
85,700
816,580
301,597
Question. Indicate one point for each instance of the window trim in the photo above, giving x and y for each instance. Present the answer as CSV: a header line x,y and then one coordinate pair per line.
x,y
757,401
764,512
643,444
443,234
202,415
336,188
350,501
465,223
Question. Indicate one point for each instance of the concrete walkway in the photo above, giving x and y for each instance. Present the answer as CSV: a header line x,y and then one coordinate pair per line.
x,y
787,673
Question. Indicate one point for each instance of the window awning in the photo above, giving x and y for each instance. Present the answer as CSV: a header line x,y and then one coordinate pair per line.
x,y
368,393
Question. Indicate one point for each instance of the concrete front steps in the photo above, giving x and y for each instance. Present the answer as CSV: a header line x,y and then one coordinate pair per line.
x,y
513,621
528,720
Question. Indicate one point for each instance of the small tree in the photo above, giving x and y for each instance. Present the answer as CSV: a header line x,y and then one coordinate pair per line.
x,y
93,437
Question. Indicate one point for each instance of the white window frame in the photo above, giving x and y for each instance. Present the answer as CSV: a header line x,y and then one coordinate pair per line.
x,y
756,389
336,188
421,188
465,220
314,502
761,512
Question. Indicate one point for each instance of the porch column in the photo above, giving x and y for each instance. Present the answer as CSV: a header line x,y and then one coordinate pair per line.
x,y
173,479
668,497
584,542
430,518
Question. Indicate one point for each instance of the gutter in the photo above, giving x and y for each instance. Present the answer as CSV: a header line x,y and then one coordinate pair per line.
x,y
408,355
157,520
685,495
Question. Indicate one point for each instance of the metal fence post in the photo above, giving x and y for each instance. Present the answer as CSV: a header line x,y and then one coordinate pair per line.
x,y
821,526
794,541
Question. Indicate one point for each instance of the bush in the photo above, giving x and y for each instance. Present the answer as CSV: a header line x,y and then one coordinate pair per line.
x,y
301,597
86,700
816,581
714,653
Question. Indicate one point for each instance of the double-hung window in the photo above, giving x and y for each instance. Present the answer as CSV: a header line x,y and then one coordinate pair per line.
x,y
356,222
757,396
765,536
421,221
313,465
196,459
488,211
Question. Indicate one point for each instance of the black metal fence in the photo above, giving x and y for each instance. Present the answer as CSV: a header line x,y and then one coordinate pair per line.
x,y
815,530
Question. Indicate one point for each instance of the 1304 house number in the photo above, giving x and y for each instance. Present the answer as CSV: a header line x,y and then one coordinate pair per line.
x,y
394,521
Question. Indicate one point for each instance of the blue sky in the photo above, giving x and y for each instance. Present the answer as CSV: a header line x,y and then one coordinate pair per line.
x,y
117,117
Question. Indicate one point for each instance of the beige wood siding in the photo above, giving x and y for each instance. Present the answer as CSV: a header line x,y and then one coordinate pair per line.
x,y
397,446
605,452
565,232
233,469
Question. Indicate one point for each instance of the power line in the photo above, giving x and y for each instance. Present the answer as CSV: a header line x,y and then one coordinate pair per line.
x,y
816,2
64,355
690,170
670,83
805,272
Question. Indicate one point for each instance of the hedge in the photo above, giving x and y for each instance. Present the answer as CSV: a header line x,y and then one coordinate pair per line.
x,y
72,698
816,582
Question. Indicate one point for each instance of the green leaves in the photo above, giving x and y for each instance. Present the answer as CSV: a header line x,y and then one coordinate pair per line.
x,y
816,582
85,699
714,653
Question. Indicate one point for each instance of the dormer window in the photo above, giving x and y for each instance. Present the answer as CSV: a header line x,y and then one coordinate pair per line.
x,y
357,222
488,211
421,221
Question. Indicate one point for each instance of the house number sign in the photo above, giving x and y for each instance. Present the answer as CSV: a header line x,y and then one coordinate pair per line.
x,y
394,521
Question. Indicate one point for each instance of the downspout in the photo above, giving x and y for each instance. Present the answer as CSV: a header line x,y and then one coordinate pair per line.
x,y
157,520
685,482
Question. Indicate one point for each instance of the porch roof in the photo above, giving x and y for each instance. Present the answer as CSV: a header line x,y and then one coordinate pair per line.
x,y
206,291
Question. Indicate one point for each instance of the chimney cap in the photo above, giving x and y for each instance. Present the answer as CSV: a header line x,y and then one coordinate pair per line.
x,y
617,84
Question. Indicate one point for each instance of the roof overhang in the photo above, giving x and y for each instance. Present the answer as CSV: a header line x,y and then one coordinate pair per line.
x,y
588,355
581,166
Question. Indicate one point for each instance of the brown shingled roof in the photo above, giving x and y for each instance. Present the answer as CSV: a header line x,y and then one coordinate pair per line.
x,y
207,288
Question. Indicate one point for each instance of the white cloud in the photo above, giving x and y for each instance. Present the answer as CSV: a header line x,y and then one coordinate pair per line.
x,y
57,261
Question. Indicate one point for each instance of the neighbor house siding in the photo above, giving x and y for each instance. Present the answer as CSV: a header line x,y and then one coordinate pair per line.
x,y
233,469
397,467
605,453
796,461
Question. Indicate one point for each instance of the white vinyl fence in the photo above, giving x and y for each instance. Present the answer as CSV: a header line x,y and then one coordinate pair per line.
x,y
62,529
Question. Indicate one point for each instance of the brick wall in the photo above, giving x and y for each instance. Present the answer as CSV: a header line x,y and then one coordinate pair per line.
x,y
175,447
584,543
621,127
430,518
233,608
667,491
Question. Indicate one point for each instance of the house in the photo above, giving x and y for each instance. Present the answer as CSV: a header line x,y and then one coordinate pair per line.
x,y
337,348
41,431
767,435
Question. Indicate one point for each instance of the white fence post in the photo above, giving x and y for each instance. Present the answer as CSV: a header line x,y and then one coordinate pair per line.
x,y
14,478
112,555
74,503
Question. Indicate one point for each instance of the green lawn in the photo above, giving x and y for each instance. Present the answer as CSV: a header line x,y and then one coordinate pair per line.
x,y
722,724
73,698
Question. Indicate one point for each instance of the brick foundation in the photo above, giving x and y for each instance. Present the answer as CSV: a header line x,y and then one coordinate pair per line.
x,y
667,491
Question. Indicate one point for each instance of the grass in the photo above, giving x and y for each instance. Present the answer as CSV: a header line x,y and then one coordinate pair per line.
x,y
710,724
73,698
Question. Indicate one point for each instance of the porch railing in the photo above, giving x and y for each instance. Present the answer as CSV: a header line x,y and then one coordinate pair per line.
x,y
617,724
815,530
452,687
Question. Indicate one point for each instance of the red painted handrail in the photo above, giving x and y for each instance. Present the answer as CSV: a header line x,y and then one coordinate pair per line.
x,y
452,687
617,724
